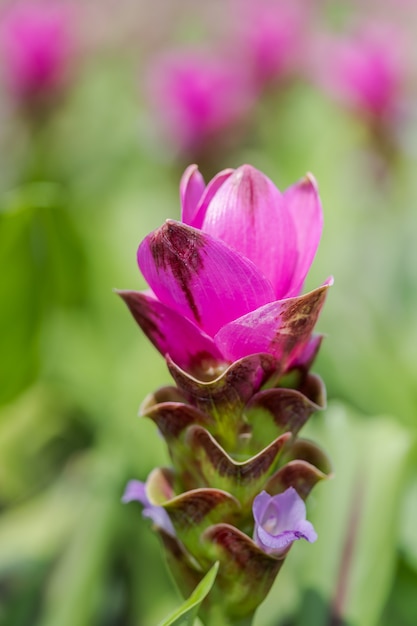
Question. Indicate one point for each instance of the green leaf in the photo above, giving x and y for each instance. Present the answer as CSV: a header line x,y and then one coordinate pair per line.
x,y
408,523
187,612
45,259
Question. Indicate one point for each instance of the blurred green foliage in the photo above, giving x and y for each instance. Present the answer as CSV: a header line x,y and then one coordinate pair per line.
x,y
76,198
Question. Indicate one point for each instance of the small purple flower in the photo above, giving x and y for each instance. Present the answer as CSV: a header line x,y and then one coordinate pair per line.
x,y
136,490
280,520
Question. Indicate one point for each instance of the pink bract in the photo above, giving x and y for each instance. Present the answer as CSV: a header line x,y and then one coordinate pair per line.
x,y
225,283
197,95
36,46
366,69
271,37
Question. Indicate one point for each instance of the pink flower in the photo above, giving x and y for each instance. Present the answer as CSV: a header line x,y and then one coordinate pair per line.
x,y
226,281
280,520
197,96
271,37
366,70
36,46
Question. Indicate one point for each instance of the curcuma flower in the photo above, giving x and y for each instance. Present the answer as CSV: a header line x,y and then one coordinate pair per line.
x,y
271,38
280,520
224,308
198,97
225,282
366,70
36,47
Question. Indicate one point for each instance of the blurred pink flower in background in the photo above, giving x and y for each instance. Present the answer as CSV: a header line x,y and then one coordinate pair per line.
x,y
36,47
365,70
271,37
197,95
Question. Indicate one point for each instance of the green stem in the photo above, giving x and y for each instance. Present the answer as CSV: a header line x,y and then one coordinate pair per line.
x,y
216,617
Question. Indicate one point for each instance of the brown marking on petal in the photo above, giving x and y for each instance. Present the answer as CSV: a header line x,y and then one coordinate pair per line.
x,y
297,319
308,182
296,315
179,248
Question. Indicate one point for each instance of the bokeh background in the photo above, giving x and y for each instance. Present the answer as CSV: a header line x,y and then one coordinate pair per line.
x,y
103,103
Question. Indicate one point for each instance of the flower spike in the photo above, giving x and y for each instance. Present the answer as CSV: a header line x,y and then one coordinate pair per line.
x,y
225,310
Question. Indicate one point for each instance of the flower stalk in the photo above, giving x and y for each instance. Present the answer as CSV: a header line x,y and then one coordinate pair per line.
x,y
226,312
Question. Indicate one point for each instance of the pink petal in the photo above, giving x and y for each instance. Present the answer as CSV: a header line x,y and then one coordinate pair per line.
x,y
188,346
279,328
249,214
192,186
200,277
305,358
303,203
207,196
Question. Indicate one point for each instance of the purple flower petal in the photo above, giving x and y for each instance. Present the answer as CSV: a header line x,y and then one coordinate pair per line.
x,y
200,277
171,333
192,186
303,203
136,490
249,214
280,520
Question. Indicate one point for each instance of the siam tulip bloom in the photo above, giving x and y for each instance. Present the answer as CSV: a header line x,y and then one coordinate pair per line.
x,y
271,38
280,520
366,70
197,97
226,280
224,307
36,47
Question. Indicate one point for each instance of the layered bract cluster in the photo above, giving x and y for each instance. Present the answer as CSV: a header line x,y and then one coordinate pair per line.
x,y
226,280
224,308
